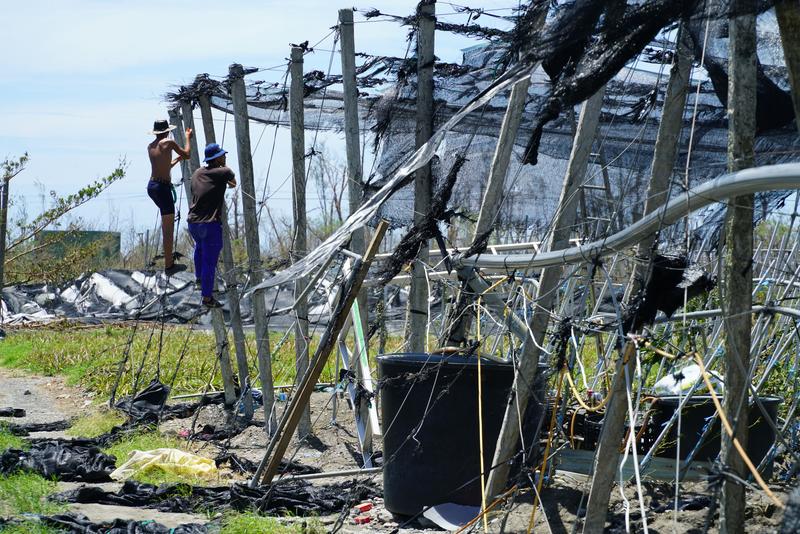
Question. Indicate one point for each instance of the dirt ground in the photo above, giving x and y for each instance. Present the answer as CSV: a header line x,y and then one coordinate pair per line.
x,y
335,447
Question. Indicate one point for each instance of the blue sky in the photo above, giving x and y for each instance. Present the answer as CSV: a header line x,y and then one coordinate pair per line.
x,y
83,81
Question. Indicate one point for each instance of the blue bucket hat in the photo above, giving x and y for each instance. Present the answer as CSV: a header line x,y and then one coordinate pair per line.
x,y
213,151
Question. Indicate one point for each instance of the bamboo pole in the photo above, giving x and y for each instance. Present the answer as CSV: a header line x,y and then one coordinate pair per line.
x,y
299,240
247,185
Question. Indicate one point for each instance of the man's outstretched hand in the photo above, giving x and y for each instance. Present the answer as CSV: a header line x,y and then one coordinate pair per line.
x,y
188,132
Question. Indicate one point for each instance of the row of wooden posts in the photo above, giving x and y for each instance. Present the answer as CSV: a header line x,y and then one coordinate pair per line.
x,y
736,284
182,117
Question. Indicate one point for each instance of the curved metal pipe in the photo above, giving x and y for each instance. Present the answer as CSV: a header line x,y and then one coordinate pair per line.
x,y
755,180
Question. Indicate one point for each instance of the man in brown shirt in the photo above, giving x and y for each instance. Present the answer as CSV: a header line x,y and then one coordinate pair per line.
x,y
205,226
160,189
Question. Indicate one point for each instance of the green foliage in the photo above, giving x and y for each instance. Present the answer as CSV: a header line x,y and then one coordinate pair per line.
x,y
25,493
29,527
90,357
20,265
10,441
248,523
96,423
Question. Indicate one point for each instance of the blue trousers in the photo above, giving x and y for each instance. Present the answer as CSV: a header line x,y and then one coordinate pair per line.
x,y
207,246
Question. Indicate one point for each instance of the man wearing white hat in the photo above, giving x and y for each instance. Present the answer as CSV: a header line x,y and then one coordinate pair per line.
x,y
160,189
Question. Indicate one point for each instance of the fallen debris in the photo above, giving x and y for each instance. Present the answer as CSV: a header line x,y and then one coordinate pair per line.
x,y
168,461
297,498
60,460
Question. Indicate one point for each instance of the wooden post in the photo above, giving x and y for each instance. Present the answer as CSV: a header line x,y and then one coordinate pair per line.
x,y
217,320
247,181
666,148
180,138
738,271
354,196
352,138
788,14
279,443
229,271
417,315
549,281
4,185
492,196
299,244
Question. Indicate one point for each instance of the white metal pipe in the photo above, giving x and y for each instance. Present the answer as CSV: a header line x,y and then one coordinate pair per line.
x,y
755,180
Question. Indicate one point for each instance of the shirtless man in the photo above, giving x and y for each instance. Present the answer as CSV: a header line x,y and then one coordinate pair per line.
x,y
160,186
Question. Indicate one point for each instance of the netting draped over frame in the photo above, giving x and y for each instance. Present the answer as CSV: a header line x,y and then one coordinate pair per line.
x,y
626,137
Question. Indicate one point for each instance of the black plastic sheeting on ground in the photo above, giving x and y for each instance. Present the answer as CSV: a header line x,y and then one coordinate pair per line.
x,y
61,460
150,404
247,467
297,498
27,428
80,524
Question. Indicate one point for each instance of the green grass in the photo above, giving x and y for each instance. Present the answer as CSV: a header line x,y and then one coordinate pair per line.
x,y
25,493
29,527
13,354
145,441
248,523
90,357
10,441
95,423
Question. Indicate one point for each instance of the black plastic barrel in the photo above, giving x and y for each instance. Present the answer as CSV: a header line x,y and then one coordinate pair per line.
x,y
429,409
694,417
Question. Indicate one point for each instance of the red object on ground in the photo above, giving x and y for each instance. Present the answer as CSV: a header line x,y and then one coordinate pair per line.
x,y
362,519
364,507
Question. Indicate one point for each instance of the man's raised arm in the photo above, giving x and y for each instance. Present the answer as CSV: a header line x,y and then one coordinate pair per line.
x,y
187,148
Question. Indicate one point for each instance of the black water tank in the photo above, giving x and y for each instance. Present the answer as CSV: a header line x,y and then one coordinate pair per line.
x,y
694,416
429,409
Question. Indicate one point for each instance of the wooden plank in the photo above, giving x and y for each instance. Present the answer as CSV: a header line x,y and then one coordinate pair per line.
x,y
280,441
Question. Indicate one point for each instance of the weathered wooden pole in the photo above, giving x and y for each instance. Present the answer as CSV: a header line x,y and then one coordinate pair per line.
x,y
268,467
354,196
217,320
352,138
299,244
666,147
492,197
738,271
247,181
788,14
4,185
229,270
417,315
549,281
180,138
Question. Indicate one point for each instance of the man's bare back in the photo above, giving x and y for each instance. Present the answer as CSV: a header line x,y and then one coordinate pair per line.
x,y
160,152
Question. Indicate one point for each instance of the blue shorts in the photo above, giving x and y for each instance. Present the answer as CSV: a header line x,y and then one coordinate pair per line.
x,y
162,195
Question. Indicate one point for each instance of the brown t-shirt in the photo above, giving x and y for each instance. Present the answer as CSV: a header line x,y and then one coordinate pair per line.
x,y
208,193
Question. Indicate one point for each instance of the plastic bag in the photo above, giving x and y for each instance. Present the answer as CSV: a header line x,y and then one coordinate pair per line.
x,y
167,460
